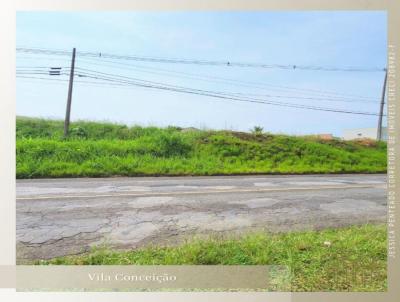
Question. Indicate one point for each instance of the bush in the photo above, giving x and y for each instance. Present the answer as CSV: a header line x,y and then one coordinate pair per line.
x,y
257,130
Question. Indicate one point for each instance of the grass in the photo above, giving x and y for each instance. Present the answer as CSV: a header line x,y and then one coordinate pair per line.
x,y
347,259
105,149
354,259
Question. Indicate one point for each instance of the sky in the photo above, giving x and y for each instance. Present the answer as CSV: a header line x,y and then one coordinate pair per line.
x,y
333,39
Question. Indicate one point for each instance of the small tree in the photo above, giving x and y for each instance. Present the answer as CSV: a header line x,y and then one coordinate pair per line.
x,y
257,130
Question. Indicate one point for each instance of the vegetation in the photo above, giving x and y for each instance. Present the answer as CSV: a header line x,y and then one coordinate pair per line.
x,y
106,149
257,130
347,259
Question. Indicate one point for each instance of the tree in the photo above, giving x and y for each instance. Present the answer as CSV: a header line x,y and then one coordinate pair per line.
x,y
257,130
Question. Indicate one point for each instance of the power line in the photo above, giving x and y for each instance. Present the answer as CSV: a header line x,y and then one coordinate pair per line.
x,y
215,94
88,71
40,72
62,81
124,80
209,78
230,97
308,98
21,56
39,67
212,79
227,63
85,72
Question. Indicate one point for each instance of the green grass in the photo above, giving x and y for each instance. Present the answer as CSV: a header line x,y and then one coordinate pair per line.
x,y
106,149
355,260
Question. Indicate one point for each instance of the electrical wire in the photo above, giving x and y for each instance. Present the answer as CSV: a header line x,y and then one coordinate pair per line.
x,y
215,94
331,94
213,79
199,61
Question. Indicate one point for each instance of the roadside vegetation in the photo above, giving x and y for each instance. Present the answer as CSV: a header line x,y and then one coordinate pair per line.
x,y
345,259
105,149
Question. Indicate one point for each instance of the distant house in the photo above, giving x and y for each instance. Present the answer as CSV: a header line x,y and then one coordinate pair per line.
x,y
325,136
361,133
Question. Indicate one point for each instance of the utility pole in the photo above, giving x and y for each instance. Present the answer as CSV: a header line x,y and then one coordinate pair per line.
x,y
69,99
379,132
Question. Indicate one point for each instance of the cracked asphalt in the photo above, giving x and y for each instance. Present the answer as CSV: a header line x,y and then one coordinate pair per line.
x,y
57,217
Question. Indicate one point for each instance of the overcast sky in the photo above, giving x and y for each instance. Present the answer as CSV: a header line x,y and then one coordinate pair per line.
x,y
338,39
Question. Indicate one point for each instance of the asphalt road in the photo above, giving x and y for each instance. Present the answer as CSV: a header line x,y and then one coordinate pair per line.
x,y
57,217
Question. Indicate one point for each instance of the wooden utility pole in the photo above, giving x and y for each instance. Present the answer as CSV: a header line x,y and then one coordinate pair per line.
x,y
69,99
379,132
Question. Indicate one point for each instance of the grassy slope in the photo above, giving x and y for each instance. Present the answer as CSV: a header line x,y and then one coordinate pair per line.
x,y
105,149
354,261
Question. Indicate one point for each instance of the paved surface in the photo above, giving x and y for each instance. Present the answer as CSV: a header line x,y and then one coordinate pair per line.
x,y
58,217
